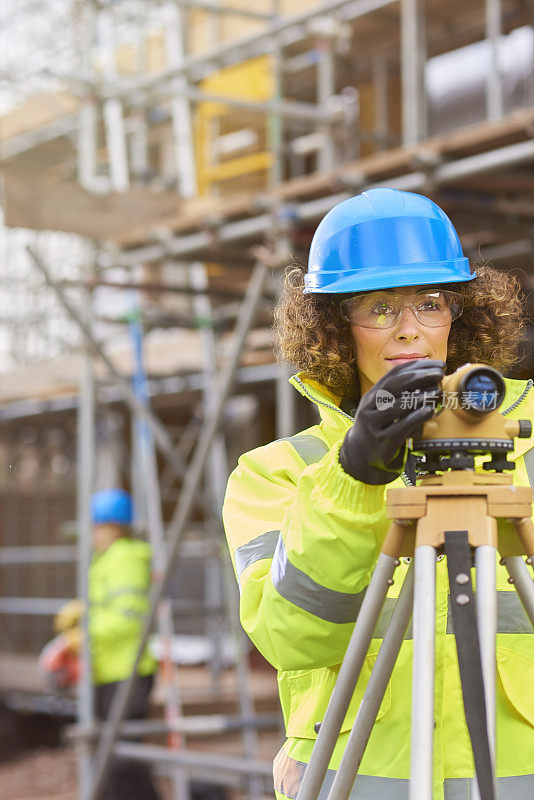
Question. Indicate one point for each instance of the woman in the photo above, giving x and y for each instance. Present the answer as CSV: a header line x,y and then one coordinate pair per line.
x,y
389,305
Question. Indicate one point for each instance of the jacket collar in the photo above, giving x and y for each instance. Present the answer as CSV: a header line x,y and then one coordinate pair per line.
x,y
518,404
326,401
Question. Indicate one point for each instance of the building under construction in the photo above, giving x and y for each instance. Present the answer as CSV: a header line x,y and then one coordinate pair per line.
x,y
165,164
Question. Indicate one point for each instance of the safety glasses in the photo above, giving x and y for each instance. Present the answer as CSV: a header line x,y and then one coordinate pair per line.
x,y
382,309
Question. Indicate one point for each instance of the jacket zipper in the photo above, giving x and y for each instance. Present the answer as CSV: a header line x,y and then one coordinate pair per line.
x,y
520,399
316,400
404,476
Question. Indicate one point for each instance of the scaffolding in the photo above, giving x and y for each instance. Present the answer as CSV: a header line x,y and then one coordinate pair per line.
x,y
195,162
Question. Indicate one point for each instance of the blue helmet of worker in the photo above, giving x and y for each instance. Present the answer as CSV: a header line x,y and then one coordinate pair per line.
x,y
381,239
112,506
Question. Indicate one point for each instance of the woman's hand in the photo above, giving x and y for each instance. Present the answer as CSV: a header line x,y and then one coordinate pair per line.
x,y
374,450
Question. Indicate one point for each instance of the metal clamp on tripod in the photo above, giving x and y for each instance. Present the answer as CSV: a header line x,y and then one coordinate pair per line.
x,y
453,510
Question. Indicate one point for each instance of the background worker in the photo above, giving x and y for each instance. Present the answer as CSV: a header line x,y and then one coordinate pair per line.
x,y
389,305
118,586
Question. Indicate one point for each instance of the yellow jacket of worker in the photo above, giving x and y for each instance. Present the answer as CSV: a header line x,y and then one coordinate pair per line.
x,y
304,538
119,581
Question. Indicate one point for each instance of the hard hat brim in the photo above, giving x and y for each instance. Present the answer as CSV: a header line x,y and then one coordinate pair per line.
x,y
422,274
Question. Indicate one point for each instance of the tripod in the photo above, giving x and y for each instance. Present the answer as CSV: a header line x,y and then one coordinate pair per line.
x,y
456,513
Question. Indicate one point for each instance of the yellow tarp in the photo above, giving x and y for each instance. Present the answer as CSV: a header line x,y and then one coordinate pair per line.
x,y
252,80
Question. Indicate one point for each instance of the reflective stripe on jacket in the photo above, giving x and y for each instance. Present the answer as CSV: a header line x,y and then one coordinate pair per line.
x,y
119,581
304,538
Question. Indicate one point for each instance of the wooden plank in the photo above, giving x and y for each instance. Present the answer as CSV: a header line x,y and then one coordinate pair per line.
x,y
501,182
38,111
31,202
494,133
200,211
309,185
170,352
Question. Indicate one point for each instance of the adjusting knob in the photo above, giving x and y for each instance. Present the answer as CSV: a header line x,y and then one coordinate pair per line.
x,y
525,429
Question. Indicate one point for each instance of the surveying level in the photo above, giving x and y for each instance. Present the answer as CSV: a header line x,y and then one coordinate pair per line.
x,y
452,510
469,424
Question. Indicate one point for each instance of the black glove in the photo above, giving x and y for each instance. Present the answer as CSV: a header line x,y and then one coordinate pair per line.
x,y
374,450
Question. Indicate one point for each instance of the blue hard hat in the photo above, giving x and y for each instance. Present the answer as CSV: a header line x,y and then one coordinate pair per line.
x,y
112,506
381,239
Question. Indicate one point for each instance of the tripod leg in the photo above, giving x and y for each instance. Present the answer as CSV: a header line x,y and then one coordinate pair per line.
x,y
464,620
374,692
519,572
486,607
347,678
424,632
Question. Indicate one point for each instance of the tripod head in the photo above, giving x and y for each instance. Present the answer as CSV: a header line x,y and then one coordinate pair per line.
x,y
468,423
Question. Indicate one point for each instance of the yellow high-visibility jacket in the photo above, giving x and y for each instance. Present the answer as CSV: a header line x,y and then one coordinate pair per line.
x,y
304,538
118,586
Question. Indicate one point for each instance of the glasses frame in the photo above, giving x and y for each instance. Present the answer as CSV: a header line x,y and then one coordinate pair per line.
x,y
343,303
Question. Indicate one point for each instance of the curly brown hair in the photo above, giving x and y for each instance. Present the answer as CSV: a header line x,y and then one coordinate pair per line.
x,y
313,336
